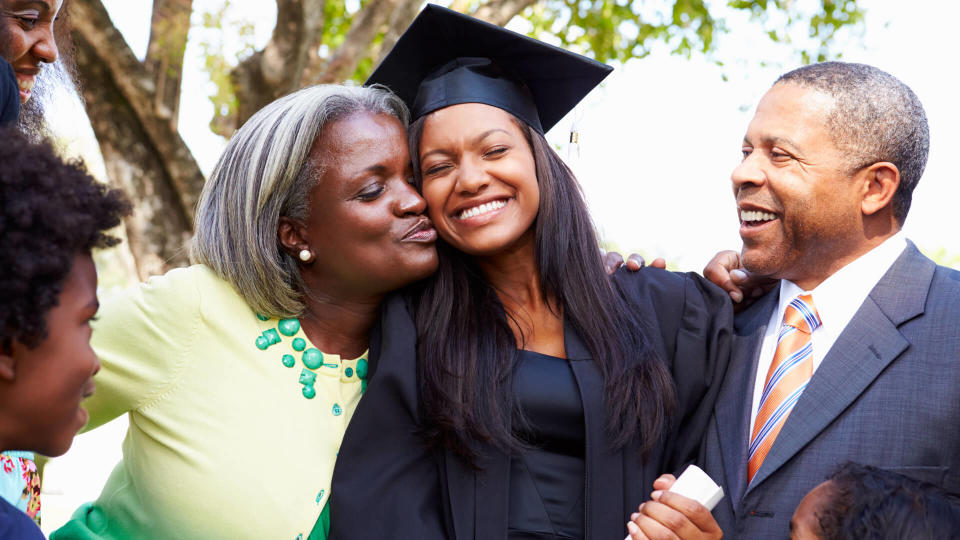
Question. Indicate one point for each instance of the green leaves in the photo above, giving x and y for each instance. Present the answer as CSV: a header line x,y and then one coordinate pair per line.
x,y
608,30
620,30
217,28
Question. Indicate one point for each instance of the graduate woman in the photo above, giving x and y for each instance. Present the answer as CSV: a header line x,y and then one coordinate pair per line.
x,y
520,393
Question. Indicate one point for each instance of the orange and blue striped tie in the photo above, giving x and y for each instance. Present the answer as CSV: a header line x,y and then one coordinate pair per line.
x,y
789,374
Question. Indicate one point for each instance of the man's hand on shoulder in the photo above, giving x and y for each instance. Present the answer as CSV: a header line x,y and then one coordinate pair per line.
x,y
726,271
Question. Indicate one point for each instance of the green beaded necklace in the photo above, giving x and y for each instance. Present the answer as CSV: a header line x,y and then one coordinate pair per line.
x,y
312,358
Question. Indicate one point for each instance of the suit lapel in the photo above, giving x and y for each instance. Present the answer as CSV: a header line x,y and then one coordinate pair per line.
x,y
734,401
862,351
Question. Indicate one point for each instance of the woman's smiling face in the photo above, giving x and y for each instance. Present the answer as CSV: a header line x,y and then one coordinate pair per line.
x,y
26,38
479,178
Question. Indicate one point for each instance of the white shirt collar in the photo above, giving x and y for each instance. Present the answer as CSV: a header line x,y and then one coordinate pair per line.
x,y
838,298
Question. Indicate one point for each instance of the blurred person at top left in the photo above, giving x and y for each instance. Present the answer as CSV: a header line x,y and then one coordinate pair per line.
x,y
33,36
27,40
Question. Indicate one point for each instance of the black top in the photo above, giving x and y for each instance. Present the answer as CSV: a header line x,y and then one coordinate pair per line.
x,y
9,94
445,58
403,489
16,525
546,479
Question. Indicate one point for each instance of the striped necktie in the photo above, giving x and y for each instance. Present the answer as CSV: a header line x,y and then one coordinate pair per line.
x,y
789,374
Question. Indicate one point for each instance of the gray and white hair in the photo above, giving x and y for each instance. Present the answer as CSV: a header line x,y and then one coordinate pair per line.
x,y
264,174
875,118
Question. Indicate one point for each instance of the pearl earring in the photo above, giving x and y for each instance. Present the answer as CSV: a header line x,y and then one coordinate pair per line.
x,y
305,255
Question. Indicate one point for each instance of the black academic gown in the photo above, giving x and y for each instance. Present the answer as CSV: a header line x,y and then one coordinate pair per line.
x,y
388,485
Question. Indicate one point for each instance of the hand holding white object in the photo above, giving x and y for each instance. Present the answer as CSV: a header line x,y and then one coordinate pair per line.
x,y
680,508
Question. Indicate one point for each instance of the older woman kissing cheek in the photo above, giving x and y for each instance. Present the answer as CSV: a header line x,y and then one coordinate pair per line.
x,y
240,373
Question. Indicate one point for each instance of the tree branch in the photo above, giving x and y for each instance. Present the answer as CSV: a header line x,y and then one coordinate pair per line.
x,y
299,24
143,154
460,5
356,44
158,229
169,27
275,71
133,81
400,19
499,12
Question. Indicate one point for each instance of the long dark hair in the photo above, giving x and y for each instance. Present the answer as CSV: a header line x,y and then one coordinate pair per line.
x,y
466,346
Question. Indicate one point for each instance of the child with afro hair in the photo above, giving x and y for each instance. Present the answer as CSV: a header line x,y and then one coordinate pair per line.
x,y
52,214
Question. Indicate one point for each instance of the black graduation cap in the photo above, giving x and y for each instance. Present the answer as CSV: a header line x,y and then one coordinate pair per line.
x,y
9,94
445,58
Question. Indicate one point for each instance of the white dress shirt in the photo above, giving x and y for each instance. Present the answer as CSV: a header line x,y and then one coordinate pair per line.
x,y
836,299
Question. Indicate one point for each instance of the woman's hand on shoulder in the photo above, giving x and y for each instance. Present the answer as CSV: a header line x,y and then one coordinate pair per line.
x,y
670,516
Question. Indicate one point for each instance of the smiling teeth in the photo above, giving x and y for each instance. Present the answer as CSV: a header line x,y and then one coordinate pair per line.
x,y
748,215
26,85
482,209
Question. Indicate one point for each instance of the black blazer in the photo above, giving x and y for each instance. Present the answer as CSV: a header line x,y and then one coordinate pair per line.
x,y
387,484
886,394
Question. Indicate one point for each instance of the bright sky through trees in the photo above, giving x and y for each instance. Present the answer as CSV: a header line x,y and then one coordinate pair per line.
x,y
660,137
660,140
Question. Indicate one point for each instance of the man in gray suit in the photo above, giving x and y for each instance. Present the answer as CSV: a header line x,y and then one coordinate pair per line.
x,y
855,355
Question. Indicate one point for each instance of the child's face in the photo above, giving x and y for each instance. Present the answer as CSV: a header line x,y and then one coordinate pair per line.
x,y
50,381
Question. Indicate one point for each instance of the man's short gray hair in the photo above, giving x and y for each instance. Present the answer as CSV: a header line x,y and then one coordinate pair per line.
x,y
875,118
264,174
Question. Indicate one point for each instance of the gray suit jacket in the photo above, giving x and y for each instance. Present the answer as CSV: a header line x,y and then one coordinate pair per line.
x,y
887,394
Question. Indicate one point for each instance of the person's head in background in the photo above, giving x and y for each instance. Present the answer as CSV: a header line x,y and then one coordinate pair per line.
x,y
52,215
860,502
34,39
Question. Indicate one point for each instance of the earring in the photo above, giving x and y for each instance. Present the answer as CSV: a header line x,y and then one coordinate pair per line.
x,y
305,255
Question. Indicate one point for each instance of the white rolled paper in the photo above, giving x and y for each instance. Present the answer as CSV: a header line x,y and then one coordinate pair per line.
x,y
697,485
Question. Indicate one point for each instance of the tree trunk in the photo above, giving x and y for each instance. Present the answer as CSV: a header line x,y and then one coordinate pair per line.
x,y
158,230
169,27
400,19
275,71
356,44
142,151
